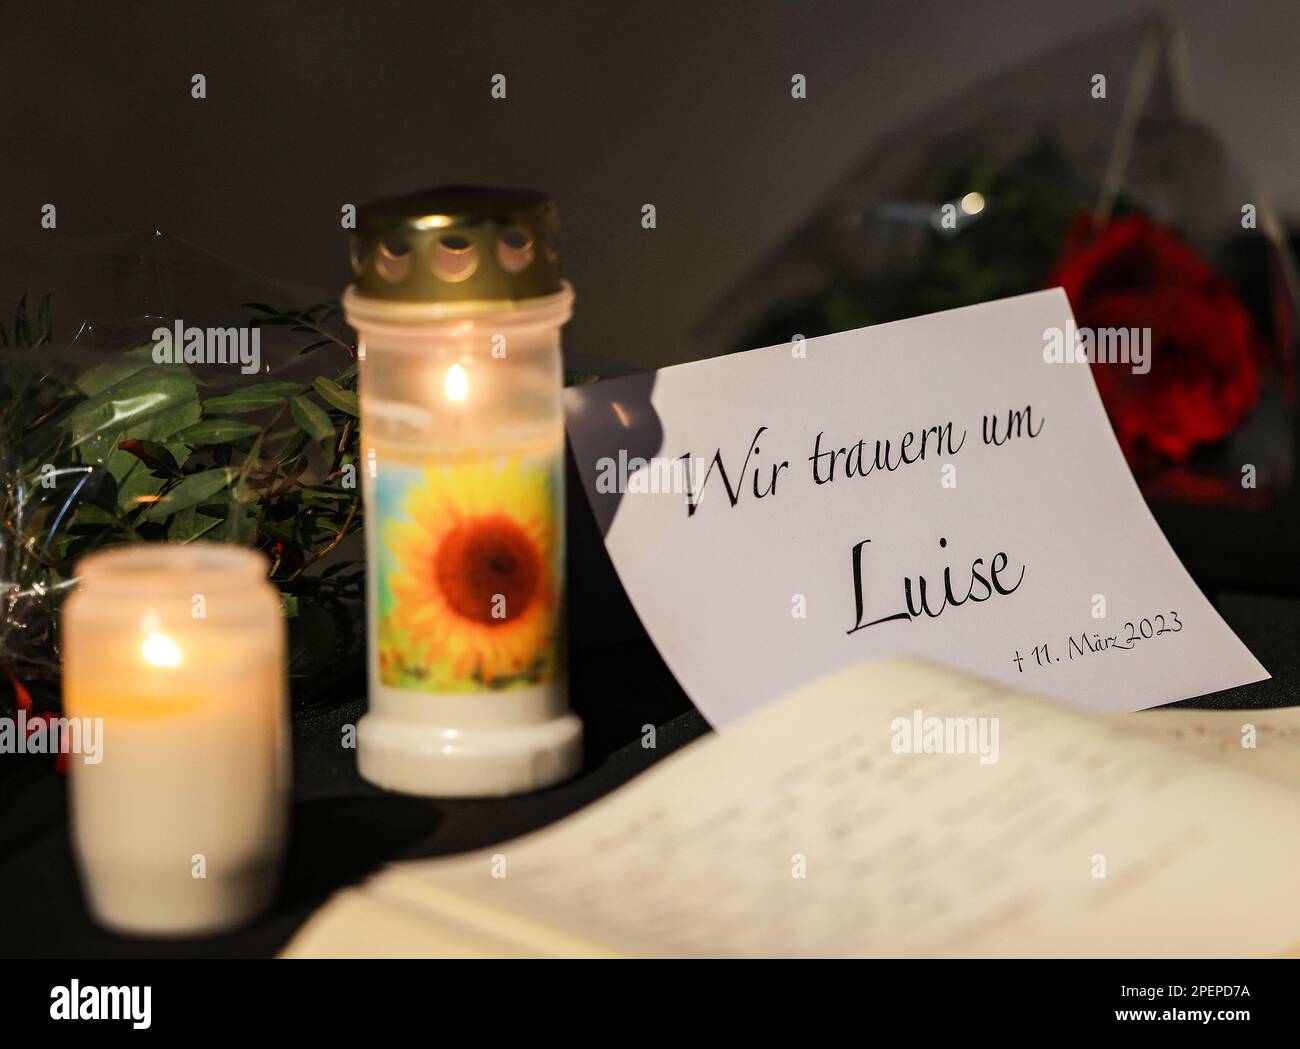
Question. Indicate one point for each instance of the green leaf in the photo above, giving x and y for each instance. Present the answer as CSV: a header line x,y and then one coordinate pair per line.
x,y
43,319
191,491
312,418
152,404
239,524
291,448
189,525
157,457
316,493
102,376
333,393
22,330
136,484
254,398
217,431
93,521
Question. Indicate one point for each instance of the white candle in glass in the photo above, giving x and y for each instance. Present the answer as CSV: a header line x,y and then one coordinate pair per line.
x,y
179,826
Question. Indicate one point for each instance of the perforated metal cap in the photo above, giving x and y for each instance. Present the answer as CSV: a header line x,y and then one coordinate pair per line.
x,y
456,244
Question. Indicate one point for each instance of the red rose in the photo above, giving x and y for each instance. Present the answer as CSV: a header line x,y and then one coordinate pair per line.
x,y
1204,377
285,558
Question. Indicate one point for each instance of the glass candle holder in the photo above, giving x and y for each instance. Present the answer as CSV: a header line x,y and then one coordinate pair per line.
x,y
178,651
459,307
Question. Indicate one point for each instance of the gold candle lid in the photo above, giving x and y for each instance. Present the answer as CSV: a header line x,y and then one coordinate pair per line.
x,y
457,244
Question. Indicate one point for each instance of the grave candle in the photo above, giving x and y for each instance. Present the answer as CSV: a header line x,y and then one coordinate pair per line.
x,y
179,652
458,303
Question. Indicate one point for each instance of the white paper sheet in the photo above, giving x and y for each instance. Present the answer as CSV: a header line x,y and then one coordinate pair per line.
x,y
749,590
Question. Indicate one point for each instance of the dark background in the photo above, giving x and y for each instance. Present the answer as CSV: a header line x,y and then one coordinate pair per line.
x,y
610,106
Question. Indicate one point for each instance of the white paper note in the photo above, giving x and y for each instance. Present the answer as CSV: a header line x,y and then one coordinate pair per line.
x,y
779,513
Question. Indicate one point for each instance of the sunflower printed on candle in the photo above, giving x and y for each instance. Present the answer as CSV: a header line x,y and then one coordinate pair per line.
x,y
473,578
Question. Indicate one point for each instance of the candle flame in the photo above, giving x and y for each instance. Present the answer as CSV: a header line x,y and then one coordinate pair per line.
x,y
161,651
456,385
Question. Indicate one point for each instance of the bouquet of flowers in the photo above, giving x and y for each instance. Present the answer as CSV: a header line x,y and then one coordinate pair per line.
x,y
149,391
1080,169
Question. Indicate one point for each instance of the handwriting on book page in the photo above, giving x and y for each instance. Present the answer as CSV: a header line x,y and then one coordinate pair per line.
x,y
788,847
1262,742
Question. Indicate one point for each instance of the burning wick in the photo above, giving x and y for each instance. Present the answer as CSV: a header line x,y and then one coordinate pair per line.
x,y
456,385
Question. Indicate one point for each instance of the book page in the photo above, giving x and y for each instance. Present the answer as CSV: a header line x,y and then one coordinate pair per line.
x,y
820,826
1265,742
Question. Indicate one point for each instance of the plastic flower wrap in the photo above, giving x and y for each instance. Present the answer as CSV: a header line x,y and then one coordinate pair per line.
x,y
1081,168
151,391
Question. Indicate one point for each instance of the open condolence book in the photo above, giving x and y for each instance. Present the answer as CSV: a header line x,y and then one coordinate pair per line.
x,y
892,808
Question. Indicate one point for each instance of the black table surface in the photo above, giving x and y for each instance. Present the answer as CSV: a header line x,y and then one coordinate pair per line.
x,y
343,829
